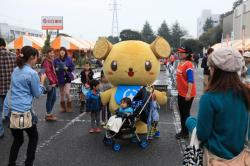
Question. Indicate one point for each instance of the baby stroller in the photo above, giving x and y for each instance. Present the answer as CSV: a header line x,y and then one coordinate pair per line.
x,y
125,128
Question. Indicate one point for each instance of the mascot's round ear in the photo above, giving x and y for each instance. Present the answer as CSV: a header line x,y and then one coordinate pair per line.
x,y
160,47
102,48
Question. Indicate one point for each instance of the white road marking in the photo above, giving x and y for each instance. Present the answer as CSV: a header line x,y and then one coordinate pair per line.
x,y
53,137
177,123
88,121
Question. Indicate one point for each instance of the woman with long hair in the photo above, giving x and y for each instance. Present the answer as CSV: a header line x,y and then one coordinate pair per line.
x,y
48,66
25,85
223,109
64,68
186,88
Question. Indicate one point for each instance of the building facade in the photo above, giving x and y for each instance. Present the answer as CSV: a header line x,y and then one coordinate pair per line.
x,y
206,14
10,32
237,25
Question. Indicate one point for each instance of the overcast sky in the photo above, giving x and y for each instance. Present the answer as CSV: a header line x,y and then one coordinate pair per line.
x,y
92,18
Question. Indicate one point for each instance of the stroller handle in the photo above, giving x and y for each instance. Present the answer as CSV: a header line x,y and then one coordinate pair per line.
x,y
151,89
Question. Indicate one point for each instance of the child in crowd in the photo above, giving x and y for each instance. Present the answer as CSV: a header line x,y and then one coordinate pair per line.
x,y
93,105
86,76
105,85
153,119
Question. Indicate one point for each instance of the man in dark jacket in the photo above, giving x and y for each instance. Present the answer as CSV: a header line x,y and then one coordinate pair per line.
x,y
7,65
206,71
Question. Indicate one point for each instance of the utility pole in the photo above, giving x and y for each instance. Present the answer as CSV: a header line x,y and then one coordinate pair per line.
x,y
115,27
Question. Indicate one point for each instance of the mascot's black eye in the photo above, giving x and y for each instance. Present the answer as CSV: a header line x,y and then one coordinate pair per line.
x,y
114,65
148,65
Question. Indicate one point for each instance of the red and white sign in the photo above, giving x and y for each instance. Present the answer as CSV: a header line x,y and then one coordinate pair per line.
x,y
52,23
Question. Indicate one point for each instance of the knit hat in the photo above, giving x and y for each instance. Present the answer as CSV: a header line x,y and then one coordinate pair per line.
x,y
247,54
226,59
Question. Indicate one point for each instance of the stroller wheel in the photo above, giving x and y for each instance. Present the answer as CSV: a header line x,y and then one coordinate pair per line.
x,y
107,141
143,144
116,147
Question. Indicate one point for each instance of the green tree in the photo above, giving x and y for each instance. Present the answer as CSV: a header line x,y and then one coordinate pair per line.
x,y
194,44
147,33
46,46
208,24
217,34
113,39
129,34
206,38
164,31
176,35
212,36
237,3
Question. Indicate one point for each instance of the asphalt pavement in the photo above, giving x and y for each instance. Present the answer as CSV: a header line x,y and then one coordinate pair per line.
x,y
67,142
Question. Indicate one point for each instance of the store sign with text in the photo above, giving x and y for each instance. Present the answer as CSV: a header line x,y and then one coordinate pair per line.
x,y
52,23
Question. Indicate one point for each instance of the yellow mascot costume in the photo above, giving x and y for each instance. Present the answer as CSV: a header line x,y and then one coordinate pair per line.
x,y
129,65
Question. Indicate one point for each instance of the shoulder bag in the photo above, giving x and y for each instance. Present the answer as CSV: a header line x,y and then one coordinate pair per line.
x,y
19,120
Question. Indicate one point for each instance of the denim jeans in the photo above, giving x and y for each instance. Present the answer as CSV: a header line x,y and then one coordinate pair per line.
x,y
1,114
51,99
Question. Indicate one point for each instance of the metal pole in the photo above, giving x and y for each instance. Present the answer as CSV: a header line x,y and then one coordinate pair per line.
x,y
241,26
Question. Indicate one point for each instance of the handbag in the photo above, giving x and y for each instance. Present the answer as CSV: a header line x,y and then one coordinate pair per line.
x,y
243,159
19,120
193,154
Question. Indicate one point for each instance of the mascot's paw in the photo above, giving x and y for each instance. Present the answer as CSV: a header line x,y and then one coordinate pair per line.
x,y
161,97
141,128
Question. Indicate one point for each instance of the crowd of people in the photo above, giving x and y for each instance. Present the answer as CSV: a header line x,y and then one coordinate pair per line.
x,y
223,117
226,97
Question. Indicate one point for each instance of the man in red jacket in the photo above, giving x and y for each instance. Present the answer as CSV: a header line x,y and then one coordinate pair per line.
x,y
48,66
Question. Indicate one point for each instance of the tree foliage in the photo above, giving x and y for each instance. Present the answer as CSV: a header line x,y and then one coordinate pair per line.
x,y
194,44
173,35
208,24
46,46
237,3
147,33
164,31
129,34
212,36
176,35
113,39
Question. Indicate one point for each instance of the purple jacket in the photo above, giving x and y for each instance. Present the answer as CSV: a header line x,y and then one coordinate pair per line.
x,y
61,72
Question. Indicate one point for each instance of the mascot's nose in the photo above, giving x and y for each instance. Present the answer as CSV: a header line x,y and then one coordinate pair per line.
x,y
130,69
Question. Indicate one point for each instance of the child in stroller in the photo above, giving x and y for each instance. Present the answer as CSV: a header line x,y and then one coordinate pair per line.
x,y
125,110
122,125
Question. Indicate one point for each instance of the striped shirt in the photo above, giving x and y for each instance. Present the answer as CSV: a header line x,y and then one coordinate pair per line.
x,y
7,65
